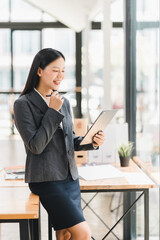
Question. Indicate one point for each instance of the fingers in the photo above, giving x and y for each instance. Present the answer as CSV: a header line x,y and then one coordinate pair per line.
x,y
99,141
100,132
99,135
99,138
56,94
60,97
56,100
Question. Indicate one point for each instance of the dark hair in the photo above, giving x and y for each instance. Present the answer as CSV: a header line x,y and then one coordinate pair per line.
x,y
42,59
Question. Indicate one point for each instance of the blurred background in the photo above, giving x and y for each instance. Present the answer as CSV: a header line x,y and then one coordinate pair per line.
x,y
112,61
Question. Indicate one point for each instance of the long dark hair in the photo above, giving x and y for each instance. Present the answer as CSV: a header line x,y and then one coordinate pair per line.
x,y
42,59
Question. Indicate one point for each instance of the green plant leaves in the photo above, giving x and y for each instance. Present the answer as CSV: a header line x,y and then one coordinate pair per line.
x,y
125,150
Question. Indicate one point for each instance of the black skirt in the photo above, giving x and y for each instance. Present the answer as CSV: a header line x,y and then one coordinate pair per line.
x,y
62,201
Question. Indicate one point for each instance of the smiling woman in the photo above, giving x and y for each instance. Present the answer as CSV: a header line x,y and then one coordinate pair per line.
x,y
45,125
52,75
47,68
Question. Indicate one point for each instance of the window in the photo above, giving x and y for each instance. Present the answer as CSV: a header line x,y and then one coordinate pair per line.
x,y
21,11
25,45
5,60
147,100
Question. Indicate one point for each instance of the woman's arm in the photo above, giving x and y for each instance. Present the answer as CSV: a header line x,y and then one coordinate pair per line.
x,y
35,139
78,139
98,139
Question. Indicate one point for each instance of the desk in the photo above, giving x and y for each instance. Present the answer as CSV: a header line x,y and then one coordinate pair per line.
x,y
18,204
10,183
152,171
134,180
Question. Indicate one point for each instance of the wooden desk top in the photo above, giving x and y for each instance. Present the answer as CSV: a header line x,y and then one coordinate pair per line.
x,y
133,178
152,171
10,183
18,203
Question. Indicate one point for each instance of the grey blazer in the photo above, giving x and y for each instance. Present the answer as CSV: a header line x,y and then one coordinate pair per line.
x,y
49,148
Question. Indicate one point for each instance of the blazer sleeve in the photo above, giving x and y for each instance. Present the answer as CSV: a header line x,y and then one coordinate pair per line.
x,y
78,139
35,139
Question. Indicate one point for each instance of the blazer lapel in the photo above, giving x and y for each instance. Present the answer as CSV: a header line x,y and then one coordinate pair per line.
x,y
37,100
63,110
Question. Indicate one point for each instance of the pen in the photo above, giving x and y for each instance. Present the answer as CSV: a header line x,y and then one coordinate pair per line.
x,y
49,95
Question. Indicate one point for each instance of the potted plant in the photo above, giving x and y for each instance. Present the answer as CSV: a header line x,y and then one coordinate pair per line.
x,y
124,152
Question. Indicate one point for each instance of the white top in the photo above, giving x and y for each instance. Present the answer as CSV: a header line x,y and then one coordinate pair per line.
x,y
46,103
41,95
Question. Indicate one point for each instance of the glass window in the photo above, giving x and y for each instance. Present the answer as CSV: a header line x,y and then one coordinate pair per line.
x,y
21,11
4,10
116,12
147,105
96,81
5,60
5,116
64,41
117,72
96,73
147,93
25,45
147,10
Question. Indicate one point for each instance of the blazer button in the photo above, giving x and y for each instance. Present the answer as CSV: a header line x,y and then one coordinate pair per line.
x,y
70,152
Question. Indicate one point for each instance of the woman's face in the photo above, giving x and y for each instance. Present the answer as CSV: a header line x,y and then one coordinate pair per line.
x,y
52,75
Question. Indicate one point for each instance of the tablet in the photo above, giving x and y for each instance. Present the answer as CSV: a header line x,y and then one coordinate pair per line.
x,y
99,124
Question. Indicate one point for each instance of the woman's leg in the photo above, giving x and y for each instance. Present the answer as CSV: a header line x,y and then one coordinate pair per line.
x,y
63,235
80,231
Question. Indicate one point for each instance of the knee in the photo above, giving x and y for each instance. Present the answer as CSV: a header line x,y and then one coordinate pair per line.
x,y
80,231
67,235
63,235
85,234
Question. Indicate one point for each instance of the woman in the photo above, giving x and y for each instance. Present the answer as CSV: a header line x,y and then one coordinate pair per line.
x,y
43,119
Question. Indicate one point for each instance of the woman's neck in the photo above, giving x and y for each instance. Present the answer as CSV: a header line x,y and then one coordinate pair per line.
x,y
44,91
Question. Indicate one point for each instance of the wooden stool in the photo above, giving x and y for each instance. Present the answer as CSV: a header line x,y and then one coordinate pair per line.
x,y
20,205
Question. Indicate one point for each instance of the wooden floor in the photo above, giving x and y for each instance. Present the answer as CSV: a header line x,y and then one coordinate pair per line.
x,y
12,153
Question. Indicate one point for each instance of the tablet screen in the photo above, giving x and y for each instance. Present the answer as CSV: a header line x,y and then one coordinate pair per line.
x,y
100,123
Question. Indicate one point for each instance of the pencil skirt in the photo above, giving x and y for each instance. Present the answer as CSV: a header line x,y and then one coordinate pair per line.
x,y
62,201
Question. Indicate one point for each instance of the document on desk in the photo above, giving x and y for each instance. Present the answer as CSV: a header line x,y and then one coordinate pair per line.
x,y
99,172
137,178
11,176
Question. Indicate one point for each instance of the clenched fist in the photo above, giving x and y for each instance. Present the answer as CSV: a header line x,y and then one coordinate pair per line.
x,y
56,101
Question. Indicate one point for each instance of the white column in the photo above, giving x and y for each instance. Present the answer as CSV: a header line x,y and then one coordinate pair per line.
x,y
106,27
87,62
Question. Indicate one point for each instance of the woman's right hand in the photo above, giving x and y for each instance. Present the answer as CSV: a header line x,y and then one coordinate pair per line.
x,y
56,101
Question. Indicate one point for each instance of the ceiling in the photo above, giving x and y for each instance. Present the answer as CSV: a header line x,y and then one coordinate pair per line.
x,y
72,13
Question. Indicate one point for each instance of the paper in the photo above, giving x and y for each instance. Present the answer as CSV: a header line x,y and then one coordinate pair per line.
x,y
14,176
137,178
99,172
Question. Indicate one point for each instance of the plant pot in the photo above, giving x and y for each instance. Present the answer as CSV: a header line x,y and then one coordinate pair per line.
x,y
124,161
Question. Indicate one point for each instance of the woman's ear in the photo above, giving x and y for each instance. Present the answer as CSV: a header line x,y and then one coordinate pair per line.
x,y
39,72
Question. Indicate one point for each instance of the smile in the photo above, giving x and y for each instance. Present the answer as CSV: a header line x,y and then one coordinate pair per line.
x,y
57,82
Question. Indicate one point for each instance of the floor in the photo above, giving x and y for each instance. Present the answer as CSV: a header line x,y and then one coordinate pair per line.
x,y
12,153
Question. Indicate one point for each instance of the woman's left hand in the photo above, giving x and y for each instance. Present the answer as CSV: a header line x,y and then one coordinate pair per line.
x,y
98,139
